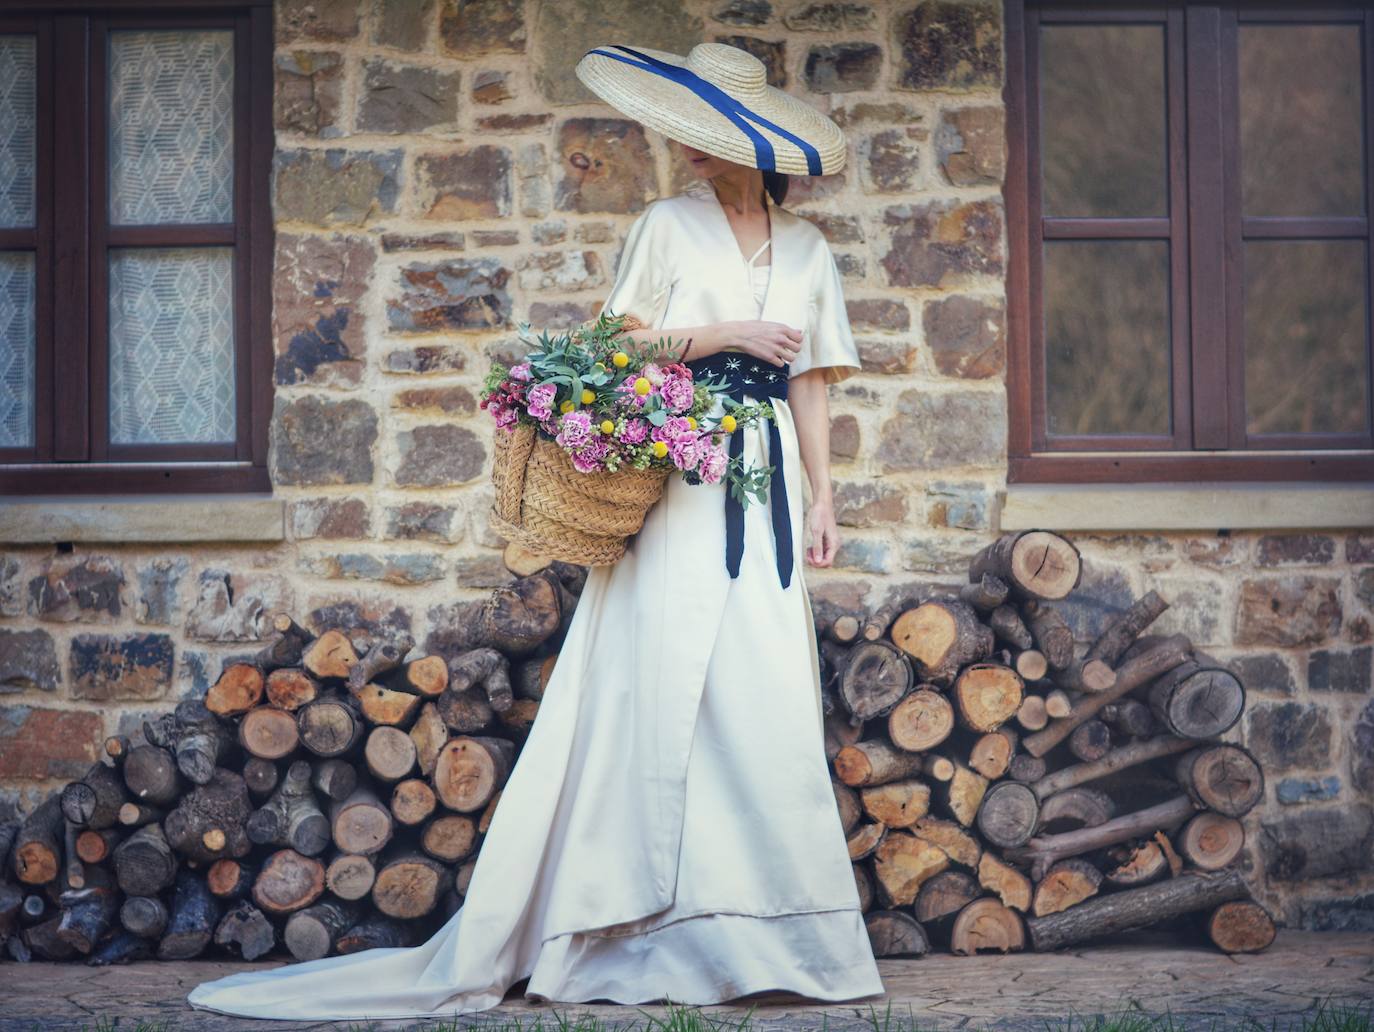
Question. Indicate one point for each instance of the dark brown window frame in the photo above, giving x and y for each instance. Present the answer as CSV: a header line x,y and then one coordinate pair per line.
x,y
1203,221
73,233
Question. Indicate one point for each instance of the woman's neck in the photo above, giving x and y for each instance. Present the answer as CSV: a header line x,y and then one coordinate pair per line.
x,y
744,193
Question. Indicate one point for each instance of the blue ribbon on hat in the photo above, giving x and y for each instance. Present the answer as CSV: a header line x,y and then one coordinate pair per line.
x,y
727,105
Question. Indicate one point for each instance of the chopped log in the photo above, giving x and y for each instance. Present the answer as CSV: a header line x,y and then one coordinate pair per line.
x,y
412,801
1130,717
1124,629
351,876
1052,635
311,933
1085,675
1031,664
1197,701
880,619
42,940
1034,563
864,839
191,925
269,733
1167,848
987,695
210,821
487,669
465,713
150,774
963,794
875,762
1241,926
95,847
1057,703
1007,625
238,689
121,948
449,837
330,726
941,637
901,863
863,885
518,618
986,924
529,677
952,840
991,753
135,815
331,655
1139,865
360,824
408,885
144,916
381,659
1044,850
89,914
287,648
488,812
230,879
521,561
1136,908
261,776
844,629
848,804
892,933
1009,814
290,688
920,721
470,770
334,779
37,851
941,898
874,678
1075,808
1224,778
519,718
291,817
195,736
387,707
74,869
937,767
1211,841
117,749
429,733
374,932
898,804
1027,768
1010,886
1090,741
1133,673
389,753
94,801
1121,758
426,676
1031,714
245,931
288,882
1066,884
986,593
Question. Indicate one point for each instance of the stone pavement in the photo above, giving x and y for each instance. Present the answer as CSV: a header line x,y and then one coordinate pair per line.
x,y
1019,993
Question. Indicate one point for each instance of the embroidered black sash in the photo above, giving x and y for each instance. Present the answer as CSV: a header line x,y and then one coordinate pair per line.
x,y
743,375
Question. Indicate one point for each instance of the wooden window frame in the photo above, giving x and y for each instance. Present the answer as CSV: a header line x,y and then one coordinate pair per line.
x,y
72,453
1204,229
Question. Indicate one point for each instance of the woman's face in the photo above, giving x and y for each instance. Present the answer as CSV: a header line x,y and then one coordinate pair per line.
x,y
707,166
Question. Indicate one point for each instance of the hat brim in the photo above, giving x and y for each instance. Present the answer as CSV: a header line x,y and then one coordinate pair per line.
x,y
680,114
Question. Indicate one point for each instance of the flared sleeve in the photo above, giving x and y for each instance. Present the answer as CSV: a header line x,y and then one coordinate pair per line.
x,y
828,342
642,282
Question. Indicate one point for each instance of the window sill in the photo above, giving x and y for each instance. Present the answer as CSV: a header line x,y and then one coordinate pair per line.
x,y
189,518
1162,507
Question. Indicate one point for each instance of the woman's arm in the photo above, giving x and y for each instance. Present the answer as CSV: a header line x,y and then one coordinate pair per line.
x,y
772,342
806,397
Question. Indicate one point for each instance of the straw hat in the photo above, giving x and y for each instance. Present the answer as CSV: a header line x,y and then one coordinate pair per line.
x,y
716,99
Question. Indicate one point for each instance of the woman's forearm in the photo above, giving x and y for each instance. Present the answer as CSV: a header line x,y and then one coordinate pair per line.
x,y
806,397
705,340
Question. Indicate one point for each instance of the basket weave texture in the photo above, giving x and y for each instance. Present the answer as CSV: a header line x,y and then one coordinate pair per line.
x,y
551,508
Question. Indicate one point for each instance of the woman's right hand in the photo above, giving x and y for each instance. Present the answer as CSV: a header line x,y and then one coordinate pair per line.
x,y
773,342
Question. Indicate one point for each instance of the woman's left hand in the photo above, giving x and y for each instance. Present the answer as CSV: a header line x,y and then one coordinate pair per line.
x,y
823,535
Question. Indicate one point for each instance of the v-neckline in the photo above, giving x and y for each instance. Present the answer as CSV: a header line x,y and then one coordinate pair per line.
x,y
768,215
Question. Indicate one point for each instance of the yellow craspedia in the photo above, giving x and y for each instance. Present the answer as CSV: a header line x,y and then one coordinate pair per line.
x,y
588,396
660,449
727,423
642,385
566,406
620,359
692,422
607,427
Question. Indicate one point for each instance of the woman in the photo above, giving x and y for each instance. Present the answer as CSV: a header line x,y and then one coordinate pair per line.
x,y
669,830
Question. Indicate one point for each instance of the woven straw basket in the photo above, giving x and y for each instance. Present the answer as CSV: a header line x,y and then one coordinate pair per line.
x,y
545,504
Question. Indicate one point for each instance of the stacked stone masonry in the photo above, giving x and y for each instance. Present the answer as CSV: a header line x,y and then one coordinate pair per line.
x,y
440,177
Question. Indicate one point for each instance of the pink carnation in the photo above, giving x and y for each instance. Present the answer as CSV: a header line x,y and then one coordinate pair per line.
x,y
540,400
591,456
653,373
673,427
685,451
713,464
506,416
574,429
677,393
520,371
634,431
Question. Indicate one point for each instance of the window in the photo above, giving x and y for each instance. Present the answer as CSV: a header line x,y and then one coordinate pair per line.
x,y
135,248
1189,211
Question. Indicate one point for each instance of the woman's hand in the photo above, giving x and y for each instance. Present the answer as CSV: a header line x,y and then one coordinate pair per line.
x,y
773,342
822,533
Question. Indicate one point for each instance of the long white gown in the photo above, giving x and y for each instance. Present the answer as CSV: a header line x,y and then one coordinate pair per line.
x,y
669,830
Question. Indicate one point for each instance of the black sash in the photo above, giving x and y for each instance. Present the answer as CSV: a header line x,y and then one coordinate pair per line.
x,y
744,374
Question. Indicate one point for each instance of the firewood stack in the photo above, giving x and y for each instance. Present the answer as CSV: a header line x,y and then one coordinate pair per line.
x,y
1002,789
327,797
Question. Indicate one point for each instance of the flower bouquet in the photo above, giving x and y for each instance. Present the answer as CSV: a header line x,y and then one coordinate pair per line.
x,y
589,426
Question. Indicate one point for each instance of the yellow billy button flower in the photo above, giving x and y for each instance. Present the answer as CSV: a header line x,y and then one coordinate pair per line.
x,y
727,423
692,422
566,406
607,427
587,396
642,385
660,449
620,359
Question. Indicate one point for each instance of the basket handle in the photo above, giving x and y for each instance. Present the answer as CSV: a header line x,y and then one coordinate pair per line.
x,y
514,459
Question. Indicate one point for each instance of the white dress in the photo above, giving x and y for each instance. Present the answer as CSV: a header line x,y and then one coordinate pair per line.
x,y
669,830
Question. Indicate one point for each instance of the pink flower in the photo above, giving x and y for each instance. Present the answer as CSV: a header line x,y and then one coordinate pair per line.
x,y
635,431
677,393
591,456
653,373
520,371
672,428
506,417
627,388
574,429
685,451
713,464
540,400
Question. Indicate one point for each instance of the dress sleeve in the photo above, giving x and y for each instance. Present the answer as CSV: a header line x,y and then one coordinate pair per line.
x,y
642,281
828,342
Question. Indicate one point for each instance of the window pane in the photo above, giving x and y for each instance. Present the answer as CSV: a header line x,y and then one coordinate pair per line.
x,y
18,130
171,345
171,127
1301,120
1306,349
1102,111
16,350
1107,337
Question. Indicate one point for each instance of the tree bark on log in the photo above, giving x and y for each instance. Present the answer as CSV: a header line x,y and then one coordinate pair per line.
x,y
892,933
195,736
37,852
1119,635
875,762
942,636
1121,758
211,820
94,801
144,862
192,919
288,882
1052,635
245,930
150,774
311,933
986,593
1044,850
1035,563
291,817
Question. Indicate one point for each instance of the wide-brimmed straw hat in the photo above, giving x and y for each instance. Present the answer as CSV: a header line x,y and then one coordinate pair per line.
x,y
716,99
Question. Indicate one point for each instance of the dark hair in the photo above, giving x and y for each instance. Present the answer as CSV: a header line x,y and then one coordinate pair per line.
x,y
776,185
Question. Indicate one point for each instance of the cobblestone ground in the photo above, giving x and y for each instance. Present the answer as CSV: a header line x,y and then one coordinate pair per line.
x,y
1200,988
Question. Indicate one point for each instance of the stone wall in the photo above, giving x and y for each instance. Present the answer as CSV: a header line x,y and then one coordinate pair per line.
x,y
440,176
